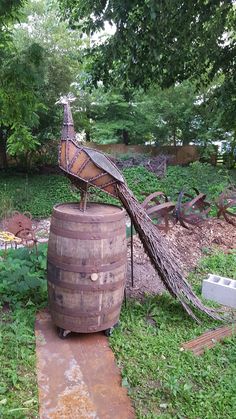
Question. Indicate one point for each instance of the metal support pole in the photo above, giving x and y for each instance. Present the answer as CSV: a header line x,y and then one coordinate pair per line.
x,y
132,253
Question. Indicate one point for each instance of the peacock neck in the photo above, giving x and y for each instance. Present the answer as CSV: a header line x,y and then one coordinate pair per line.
x,y
68,131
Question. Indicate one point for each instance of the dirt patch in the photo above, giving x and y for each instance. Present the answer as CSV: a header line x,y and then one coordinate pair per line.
x,y
188,245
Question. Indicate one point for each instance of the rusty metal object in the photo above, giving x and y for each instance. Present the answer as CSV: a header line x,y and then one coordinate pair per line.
x,y
160,210
22,227
86,266
193,211
208,339
85,166
225,203
77,377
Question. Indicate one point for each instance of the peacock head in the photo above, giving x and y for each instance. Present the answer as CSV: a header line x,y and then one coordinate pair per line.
x,y
65,100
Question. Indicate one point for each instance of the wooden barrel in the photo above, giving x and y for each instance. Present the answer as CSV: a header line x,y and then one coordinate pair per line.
x,y
87,258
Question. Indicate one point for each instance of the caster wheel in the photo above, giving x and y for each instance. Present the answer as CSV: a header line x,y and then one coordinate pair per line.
x,y
108,332
62,333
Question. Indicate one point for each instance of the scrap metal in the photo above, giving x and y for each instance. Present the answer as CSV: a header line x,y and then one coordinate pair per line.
x,y
208,339
21,226
160,210
193,211
225,204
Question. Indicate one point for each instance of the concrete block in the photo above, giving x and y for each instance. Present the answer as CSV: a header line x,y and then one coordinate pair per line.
x,y
220,289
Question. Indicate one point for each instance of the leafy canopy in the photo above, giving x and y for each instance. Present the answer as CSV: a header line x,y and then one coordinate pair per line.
x,y
162,41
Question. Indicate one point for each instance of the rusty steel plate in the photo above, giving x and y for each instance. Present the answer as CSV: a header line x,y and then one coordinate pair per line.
x,y
193,211
78,377
160,210
209,339
225,204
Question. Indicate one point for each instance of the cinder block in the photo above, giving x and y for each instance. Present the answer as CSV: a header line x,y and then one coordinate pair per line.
x,y
220,289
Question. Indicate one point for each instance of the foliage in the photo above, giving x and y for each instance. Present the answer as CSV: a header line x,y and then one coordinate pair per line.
x,y
166,43
117,119
171,113
23,290
18,383
41,59
175,116
206,178
6,205
162,380
39,193
22,276
158,41
21,75
61,46
109,115
220,264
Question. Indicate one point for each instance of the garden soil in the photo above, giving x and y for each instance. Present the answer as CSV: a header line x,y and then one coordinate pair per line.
x,y
188,246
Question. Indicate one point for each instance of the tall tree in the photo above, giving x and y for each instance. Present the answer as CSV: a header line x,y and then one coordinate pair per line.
x,y
162,41
170,113
9,12
35,81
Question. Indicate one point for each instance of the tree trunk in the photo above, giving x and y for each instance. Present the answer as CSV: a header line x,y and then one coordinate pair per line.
x,y
186,141
125,136
3,150
88,138
174,138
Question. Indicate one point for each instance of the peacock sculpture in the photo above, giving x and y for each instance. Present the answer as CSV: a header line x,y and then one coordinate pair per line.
x,y
86,167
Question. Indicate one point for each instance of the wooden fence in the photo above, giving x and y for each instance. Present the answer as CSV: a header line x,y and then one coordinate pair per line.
x,y
179,155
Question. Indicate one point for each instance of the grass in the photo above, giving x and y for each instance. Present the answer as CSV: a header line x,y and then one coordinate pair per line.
x,y
18,385
163,381
39,193
22,293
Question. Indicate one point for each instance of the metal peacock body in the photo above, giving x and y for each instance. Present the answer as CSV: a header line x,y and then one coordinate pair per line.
x,y
87,167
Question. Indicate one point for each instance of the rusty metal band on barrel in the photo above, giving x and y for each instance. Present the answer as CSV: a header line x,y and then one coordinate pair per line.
x,y
87,288
71,234
84,218
78,313
71,267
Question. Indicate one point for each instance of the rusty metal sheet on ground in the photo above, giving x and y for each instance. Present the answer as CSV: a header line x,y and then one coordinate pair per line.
x,y
208,339
77,377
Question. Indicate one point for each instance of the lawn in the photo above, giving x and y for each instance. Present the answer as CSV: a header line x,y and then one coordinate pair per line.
x,y
163,381
22,293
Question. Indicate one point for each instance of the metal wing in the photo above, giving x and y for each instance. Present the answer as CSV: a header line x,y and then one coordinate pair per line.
x,y
104,163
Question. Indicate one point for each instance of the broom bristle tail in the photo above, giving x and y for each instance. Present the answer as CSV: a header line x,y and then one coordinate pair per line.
x,y
161,256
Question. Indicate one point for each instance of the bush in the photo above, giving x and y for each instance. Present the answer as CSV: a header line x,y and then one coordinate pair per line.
x,y
22,276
